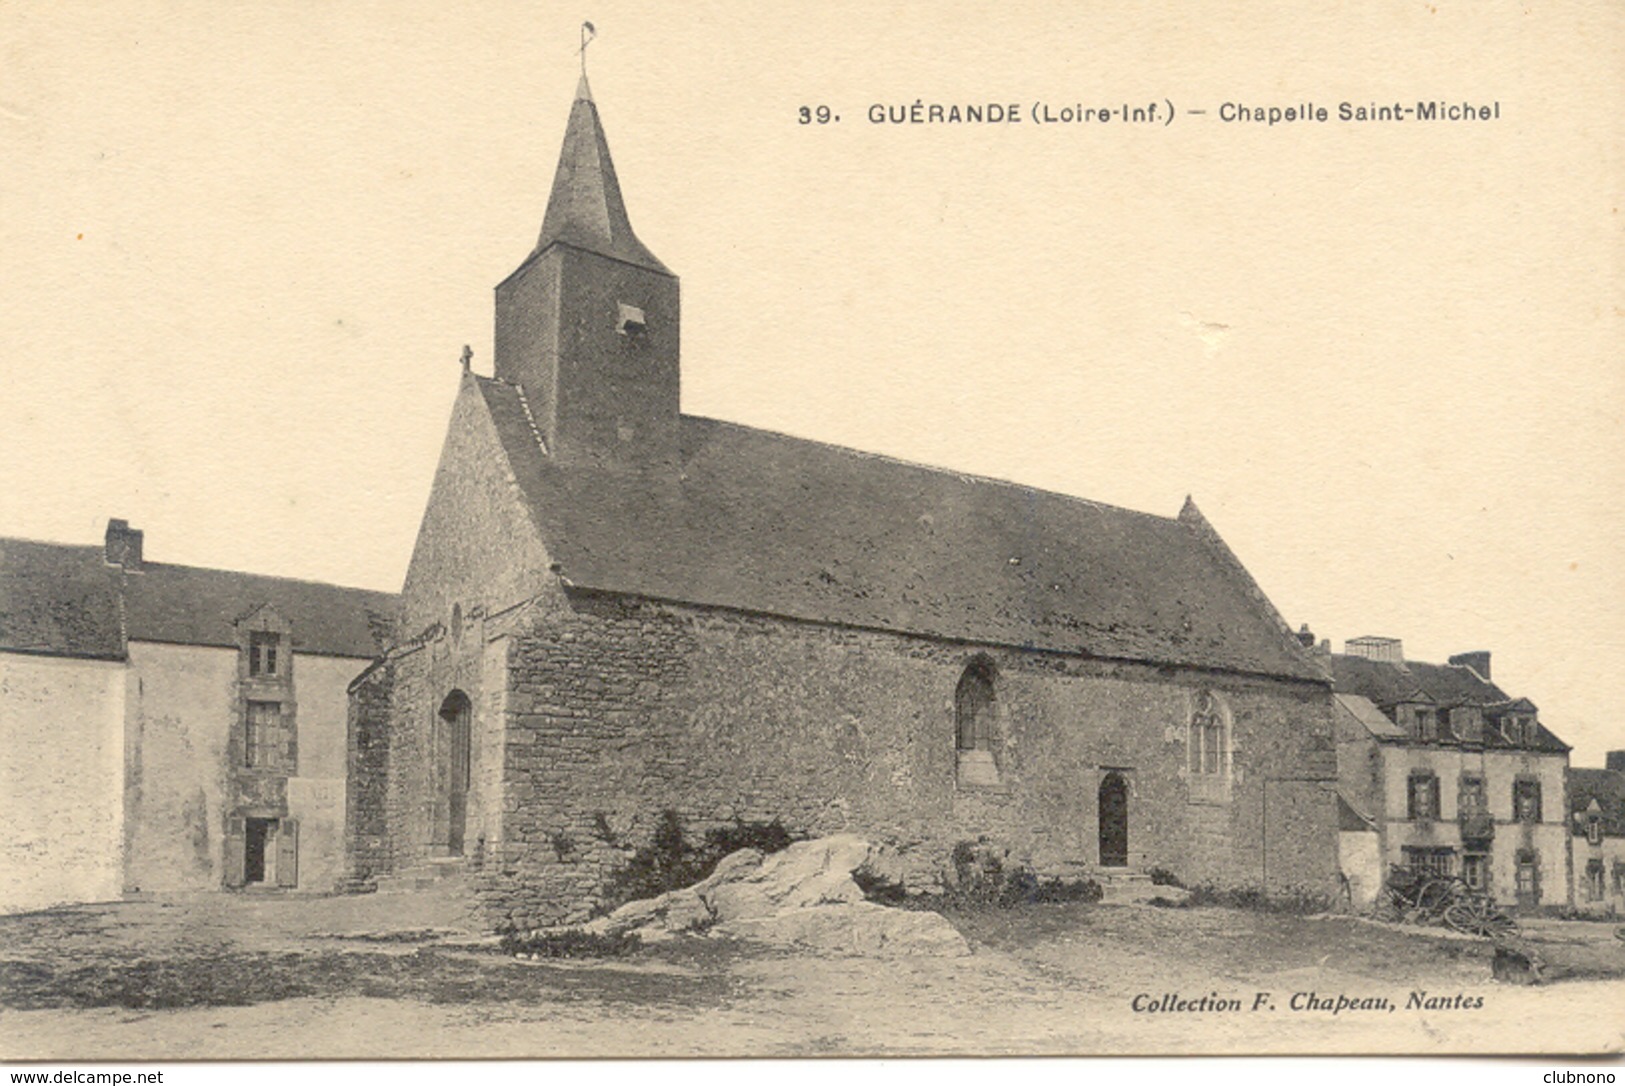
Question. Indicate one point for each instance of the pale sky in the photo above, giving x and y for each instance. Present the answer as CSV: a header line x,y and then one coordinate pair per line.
x,y
242,245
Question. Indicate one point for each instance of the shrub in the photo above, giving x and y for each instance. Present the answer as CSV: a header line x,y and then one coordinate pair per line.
x,y
1297,902
764,837
601,830
571,943
669,862
1161,876
1012,888
980,877
878,889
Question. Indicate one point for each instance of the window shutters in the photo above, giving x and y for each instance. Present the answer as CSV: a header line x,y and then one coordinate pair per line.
x,y
236,851
287,853
290,735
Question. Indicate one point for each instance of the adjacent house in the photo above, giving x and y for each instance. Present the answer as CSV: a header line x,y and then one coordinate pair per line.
x,y
1450,774
1597,810
170,728
615,609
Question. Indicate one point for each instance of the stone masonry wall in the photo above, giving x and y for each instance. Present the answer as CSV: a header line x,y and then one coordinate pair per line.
x,y
366,825
618,709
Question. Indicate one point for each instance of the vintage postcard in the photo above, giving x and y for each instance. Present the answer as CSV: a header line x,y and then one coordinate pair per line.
x,y
810,530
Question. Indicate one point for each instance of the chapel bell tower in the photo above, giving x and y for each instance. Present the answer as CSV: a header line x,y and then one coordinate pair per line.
x,y
588,324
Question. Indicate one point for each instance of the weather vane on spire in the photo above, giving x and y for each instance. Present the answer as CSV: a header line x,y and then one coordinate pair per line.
x,y
588,33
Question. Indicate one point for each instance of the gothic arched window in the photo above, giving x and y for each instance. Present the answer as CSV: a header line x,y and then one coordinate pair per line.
x,y
976,725
973,706
1209,737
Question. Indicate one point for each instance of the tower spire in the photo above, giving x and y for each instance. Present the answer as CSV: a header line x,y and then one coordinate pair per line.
x,y
588,325
586,209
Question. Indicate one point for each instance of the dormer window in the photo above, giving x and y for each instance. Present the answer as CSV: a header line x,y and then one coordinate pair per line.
x,y
264,655
1594,829
1427,727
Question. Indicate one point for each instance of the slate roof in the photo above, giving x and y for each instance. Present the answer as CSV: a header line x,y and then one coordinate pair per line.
x,y
1607,787
585,208
58,599
766,523
1386,684
1369,716
1350,820
66,600
1450,685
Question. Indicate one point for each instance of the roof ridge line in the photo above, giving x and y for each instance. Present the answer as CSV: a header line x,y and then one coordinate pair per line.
x,y
148,565
49,542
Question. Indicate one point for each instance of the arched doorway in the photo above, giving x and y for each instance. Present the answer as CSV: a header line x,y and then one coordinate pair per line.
x,y
456,720
1113,820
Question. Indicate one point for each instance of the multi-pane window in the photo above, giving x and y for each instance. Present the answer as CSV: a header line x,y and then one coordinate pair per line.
x,y
264,655
1430,861
1423,797
1470,801
1596,886
1208,753
1528,879
1426,725
1475,870
1594,830
1526,800
265,740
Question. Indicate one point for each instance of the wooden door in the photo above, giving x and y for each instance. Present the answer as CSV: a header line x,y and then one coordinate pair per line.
x,y
287,853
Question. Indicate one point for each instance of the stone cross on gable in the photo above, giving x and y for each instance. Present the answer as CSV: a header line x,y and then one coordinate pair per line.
x,y
468,356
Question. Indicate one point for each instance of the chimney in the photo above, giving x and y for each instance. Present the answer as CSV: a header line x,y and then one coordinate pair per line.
x,y
123,546
1306,637
1478,661
1616,761
1389,650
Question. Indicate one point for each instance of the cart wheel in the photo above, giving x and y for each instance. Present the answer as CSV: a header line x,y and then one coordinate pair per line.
x,y
1464,918
1478,917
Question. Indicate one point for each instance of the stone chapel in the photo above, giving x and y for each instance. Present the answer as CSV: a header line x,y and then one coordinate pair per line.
x,y
614,609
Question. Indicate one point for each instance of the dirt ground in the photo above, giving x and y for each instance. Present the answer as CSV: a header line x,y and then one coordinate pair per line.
x,y
228,976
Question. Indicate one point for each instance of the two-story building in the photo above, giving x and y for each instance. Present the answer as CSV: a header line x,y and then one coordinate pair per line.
x,y
169,728
1451,774
1597,815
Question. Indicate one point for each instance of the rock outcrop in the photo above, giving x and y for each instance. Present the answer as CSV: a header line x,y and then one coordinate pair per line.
x,y
805,896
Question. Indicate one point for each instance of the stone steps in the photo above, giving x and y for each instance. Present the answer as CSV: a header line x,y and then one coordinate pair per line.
x,y
423,876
